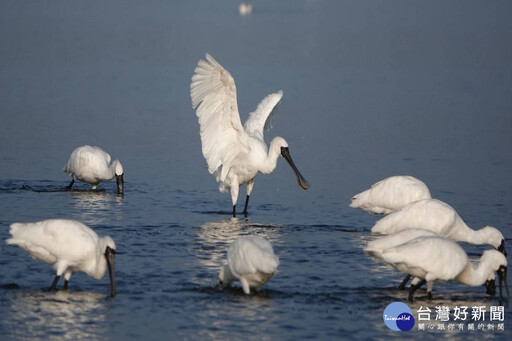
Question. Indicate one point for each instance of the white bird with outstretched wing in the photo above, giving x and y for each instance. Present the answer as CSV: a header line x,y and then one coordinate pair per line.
x,y
235,153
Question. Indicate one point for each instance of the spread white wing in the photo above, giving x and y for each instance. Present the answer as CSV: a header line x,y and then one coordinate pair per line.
x,y
261,118
213,93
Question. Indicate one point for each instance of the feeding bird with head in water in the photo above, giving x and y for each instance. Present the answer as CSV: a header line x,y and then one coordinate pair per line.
x,y
234,153
92,165
251,260
69,246
433,258
438,216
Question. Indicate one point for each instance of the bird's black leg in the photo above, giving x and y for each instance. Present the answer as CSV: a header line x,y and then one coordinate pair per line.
x,y
234,211
54,283
404,282
66,284
413,288
246,205
71,184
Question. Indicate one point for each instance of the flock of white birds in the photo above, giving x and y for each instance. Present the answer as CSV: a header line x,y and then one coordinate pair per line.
x,y
421,231
420,236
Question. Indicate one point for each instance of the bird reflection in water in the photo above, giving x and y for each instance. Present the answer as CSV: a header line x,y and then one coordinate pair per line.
x,y
97,207
62,314
214,238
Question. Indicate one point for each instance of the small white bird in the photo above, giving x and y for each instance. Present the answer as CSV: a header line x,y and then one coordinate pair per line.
x,y
435,258
92,165
437,216
391,194
235,153
69,246
251,260
245,8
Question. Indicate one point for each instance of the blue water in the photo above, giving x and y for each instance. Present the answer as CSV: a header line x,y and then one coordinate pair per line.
x,y
371,89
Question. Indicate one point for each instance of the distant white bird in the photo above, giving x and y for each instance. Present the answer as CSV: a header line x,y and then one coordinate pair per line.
x,y
436,258
92,165
251,260
245,8
437,216
391,194
235,153
67,245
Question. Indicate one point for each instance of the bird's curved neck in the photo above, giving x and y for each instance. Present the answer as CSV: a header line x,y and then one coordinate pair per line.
x,y
464,233
475,275
112,169
226,275
271,160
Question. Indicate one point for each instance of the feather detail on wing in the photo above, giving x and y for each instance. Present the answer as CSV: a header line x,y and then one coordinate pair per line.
x,y
251,255
86,156
213,94
262,117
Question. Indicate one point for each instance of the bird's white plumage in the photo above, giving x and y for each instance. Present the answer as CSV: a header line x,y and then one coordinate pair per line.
x,y
92,165
435,258
391,194
261,118
213,93
437,216
385,242
234,153
252,261
430,258
67,245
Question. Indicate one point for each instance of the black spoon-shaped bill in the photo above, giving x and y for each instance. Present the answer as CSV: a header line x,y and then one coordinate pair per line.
x,y
110,255
502,275
303,183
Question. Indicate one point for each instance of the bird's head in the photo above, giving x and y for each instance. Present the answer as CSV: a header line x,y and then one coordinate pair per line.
x,y
119,177
225,275
495,238
497,262
280,144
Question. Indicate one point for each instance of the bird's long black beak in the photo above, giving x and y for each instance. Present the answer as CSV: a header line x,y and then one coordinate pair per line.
x,y
120,184
490,287
501,248
502,275
110,255
300,179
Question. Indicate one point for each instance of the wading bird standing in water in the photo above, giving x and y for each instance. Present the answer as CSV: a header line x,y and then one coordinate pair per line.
x,y
251,260
92,165
234,153
69,246
434,258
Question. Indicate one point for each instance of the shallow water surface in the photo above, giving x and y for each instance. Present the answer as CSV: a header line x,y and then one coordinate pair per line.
x,y
370,90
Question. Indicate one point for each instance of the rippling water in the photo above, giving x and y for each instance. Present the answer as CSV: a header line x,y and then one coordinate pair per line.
x,y
370,90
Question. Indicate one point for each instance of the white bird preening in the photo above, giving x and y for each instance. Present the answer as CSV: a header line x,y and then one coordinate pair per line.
x,y
69,246
92,165
235,153
434,258
251,260
437,216
391,194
